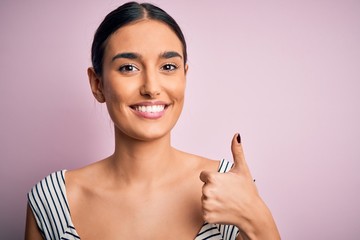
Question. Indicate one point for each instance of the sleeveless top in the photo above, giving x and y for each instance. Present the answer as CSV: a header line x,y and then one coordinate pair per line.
x,y
49,204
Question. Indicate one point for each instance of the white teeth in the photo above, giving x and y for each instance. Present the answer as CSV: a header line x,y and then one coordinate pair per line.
x,y
150,109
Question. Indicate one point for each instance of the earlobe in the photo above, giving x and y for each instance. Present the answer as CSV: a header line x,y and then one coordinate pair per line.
x,y
96,85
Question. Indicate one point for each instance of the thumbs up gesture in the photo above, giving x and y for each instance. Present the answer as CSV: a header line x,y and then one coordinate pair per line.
x,y
232,198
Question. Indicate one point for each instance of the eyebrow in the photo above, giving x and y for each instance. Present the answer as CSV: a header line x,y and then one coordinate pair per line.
x,y
131,55
127,55
170,54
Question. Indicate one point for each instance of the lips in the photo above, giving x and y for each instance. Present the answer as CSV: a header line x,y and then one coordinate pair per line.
x,y
150,110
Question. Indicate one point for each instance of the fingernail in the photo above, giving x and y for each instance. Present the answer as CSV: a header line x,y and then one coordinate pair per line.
x,y
238,138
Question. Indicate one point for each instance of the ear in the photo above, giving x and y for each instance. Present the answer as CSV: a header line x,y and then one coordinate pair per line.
x,y
96,85
186,68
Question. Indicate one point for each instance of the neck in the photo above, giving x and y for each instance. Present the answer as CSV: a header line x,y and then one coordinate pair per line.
x,y
135,161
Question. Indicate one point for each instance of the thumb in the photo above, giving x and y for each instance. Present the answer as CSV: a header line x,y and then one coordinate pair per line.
x,y
238,155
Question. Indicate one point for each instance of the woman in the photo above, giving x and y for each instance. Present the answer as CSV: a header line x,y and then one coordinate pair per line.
x,y
147,189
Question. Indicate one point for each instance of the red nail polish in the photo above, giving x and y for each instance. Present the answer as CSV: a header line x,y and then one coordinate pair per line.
x,y
238,138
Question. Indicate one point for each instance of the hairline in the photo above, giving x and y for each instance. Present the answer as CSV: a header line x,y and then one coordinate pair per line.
x,y
143,18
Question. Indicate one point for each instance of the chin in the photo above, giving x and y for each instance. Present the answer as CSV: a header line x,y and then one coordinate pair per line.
x,y
143,133
153,134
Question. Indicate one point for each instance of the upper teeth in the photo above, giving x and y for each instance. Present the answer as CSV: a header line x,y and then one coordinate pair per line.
x,y
153,108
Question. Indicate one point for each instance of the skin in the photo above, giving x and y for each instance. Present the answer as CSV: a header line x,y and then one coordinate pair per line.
x,y
147,184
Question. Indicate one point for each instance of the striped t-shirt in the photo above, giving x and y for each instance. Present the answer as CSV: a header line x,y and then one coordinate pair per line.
x,y
49,204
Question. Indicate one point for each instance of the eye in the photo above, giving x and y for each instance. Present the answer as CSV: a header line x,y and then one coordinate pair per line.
x,y
128,68
169,67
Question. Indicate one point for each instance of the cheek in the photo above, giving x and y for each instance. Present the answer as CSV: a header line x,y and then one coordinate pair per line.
x,y
119,91
177,90
116,99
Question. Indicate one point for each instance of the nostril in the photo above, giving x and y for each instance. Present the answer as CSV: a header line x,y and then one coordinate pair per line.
x,y
149,93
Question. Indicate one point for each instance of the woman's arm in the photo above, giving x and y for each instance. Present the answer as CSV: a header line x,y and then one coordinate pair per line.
x,y
232,198
262,226
32,231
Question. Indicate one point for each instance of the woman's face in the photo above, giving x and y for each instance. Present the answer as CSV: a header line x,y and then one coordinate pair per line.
x,y
143,79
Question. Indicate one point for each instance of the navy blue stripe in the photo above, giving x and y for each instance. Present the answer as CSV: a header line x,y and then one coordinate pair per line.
x,y
70,233
226,167
35,211
207,230
221,164
47,214
232,231
52,223
57,198
61,184
214,235
219,227
62,197
226,229
63,200
53,214
62,193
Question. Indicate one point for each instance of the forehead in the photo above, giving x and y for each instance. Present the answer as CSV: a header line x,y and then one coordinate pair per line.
x,y
145,37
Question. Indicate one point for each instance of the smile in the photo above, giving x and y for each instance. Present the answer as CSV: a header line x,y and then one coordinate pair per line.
x,y
150,109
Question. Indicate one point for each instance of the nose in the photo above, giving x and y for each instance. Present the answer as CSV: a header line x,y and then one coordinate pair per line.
x,y
151,87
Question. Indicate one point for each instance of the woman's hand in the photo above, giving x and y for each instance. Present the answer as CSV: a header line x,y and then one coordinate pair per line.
x,y
232,198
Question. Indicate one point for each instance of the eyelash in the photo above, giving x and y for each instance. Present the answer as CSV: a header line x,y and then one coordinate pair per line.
x,y
172,65
125,67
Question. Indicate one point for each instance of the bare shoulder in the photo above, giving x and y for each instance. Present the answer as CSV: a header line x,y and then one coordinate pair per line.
x,y
209,164
201,163
83,179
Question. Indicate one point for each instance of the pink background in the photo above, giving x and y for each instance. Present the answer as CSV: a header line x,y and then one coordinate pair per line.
x,y
286,74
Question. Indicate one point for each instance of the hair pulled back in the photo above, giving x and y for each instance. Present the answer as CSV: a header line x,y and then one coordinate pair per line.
x,y
123,15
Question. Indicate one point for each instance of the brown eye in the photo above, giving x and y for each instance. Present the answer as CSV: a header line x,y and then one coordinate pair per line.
x,y
128,68
169,67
